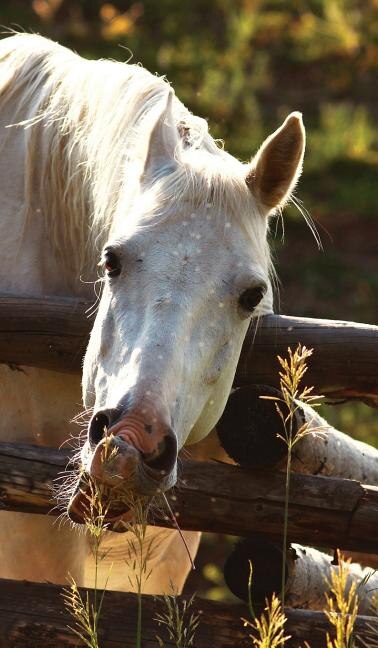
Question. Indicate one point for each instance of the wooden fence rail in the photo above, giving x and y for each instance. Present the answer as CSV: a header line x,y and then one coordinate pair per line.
x,y
33,615
324,511
52,333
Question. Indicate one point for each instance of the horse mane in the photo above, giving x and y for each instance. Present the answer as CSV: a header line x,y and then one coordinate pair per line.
x,y
87,126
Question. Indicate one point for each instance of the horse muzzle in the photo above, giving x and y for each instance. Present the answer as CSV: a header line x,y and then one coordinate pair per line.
x,y
135,457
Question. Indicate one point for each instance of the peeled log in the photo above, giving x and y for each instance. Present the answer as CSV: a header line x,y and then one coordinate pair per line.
x,y
308,572
331,452
249,429
52,333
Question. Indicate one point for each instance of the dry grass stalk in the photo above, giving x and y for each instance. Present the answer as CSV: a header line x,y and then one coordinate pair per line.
x,y
291,375
138,554
268,630
86,611
180,623
293,394
85,614
342,605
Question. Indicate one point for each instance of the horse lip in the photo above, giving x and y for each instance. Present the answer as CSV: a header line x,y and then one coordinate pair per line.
x,y
152,481
144,481
79,507
80,517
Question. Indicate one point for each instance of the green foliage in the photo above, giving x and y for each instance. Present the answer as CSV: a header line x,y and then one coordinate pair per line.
x,y
356,419
241,63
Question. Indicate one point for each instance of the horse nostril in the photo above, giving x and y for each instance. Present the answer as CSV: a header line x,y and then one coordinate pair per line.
x,y
165,456
97,427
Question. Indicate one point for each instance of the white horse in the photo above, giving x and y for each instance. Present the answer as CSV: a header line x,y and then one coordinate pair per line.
x,y
100,162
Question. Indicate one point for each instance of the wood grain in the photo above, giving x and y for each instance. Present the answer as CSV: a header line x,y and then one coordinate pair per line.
x,y
220,498
33,615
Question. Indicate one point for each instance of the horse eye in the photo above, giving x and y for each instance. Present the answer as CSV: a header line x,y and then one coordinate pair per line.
x,y
112,264
251,297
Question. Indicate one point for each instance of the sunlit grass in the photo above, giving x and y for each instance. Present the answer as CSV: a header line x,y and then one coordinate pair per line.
x,y
177,617
268,630
179,620
86,610
293,370
342,598
138,554
342,606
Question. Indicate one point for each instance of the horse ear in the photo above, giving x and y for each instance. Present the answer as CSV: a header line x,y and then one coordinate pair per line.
x,y
163,140
277,166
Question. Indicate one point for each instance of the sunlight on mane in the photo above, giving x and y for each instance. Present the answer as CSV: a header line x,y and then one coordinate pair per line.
x,y
88,125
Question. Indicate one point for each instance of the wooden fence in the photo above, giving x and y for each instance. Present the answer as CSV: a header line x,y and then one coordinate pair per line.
x,y
327,511
32,615
324,511
52,333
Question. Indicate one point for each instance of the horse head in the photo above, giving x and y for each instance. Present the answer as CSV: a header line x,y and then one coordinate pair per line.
x,y
186,266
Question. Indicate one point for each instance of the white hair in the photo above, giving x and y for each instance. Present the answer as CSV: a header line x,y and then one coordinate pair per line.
x,y
87,128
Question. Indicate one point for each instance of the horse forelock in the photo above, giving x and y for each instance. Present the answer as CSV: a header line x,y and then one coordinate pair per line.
x,y
88,126
212,185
